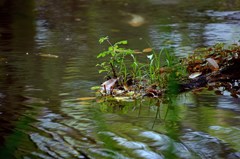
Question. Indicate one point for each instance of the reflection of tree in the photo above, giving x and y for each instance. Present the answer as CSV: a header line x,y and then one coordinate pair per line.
x,y
17,33
17,24
186,23
205,113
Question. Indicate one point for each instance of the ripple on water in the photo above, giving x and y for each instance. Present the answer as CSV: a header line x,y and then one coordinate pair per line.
x,y
230,135
164,144
55,148
147,154
228,102
205,145
56,139
107,153
133,148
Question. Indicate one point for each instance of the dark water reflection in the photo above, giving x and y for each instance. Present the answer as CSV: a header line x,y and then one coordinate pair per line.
x,y
41,113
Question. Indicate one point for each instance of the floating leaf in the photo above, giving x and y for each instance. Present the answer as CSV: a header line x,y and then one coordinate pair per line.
x,y
146,50
48,55
194,75
213,63
86,98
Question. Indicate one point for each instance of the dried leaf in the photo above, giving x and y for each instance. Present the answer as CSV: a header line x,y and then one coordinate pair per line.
x,y
86,98
146,50
194,75
48,55
213,63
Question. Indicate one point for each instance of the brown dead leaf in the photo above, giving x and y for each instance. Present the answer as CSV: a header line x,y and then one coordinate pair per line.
x,y
213,64
147,50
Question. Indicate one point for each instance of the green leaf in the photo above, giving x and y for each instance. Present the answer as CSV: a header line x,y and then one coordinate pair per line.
x,y
101,71
102,39
95,88
103,54
123,42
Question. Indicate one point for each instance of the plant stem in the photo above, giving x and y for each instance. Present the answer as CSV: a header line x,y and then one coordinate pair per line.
x,y
113,70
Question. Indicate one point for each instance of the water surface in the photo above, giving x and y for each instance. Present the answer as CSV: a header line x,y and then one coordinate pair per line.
x,y
41,113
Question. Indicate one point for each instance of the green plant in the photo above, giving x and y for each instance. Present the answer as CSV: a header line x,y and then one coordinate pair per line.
x,y
116,65
150,72
139,70
158,67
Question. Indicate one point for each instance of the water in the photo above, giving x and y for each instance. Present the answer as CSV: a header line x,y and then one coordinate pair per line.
x,y
42,113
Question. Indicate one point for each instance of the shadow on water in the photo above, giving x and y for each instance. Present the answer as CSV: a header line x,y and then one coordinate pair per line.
x,y
42,112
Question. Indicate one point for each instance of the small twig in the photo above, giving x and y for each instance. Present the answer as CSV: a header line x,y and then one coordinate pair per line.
x,y
105,90
109,42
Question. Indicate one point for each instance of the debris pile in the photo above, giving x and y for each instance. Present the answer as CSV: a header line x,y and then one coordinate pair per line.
x,y
216,68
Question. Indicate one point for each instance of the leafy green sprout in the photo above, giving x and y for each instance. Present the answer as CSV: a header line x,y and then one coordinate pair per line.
x,y
117,64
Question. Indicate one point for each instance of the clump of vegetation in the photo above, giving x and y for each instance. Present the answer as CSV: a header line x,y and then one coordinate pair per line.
x,y
215,68
128,76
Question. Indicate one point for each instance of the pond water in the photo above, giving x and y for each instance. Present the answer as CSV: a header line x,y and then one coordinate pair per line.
x,y
42,113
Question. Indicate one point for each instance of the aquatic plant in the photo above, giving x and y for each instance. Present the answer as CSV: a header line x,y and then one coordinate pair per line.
x,y
116,64
216,68
127,74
